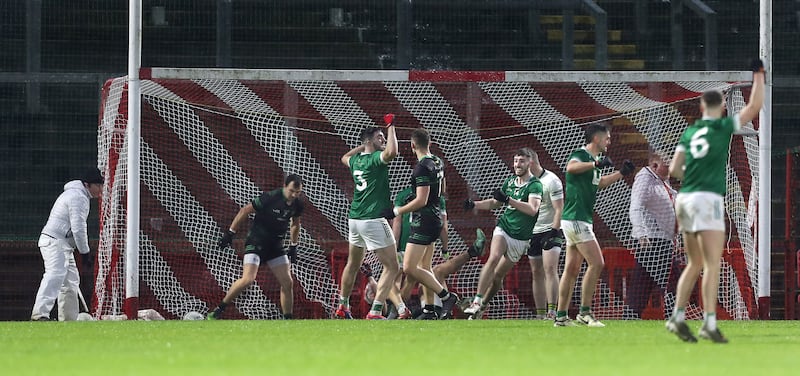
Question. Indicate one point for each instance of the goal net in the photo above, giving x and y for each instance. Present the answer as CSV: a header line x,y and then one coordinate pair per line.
x,y
211,140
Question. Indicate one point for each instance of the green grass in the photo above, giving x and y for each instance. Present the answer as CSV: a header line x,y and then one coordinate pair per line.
x,y
359,347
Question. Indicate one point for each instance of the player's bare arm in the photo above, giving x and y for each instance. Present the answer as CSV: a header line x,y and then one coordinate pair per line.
x,y
750,111
488,204
241,216
391,145
417,203
558,209
530,207
677,167
294,230
609,179
577,167
352,152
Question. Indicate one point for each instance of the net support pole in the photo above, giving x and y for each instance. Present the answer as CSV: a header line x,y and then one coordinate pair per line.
x,y
131,304
765,164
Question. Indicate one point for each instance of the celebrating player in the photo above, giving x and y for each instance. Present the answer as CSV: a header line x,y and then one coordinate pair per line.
x,y
276,212
427,183
700,161
584,168
521,194
369,166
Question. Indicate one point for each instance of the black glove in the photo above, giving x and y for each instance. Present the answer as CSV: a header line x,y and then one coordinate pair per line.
x,y
627,168
292,253
388,213
603,162
553,238
757,65
499,195
226,239
88,261
469,204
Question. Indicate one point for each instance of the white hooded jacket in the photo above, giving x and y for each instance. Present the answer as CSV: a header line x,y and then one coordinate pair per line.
x,y
68,217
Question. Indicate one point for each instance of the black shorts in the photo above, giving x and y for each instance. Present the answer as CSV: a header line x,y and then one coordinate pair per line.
x,y
425,231
535,250
266,249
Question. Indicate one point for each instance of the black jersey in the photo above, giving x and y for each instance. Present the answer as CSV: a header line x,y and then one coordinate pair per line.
x,y
273,215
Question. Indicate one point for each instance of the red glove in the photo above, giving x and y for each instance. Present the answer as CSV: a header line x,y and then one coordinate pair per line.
x,y
388,119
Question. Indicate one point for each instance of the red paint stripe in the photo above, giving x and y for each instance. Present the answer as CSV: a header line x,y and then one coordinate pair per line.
x,y
321,139
457,76
145,73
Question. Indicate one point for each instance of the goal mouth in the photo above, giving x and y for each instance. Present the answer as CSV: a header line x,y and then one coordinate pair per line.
x,y
213,139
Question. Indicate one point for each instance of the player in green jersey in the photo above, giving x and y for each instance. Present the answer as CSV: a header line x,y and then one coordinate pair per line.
x,y
428,184
521,195
584,177
368,229
700,161
275,212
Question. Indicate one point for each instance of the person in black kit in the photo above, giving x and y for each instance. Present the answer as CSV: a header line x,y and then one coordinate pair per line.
x,y
427,182
276,211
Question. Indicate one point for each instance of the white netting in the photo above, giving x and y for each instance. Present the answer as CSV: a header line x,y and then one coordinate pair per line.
x,y
209,146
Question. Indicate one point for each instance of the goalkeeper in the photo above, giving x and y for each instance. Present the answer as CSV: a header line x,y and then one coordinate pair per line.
x,y
547,241
521,195
276,212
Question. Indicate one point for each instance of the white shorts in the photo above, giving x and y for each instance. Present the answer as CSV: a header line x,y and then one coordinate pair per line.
x,y
370,234
576,232
700,211
515,248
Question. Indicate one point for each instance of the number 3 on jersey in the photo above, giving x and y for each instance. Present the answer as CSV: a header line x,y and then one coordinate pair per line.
x,y
359,176
698,146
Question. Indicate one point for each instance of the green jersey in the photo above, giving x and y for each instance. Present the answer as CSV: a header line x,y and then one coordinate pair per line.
x,y
403,197
515,223
706,145
371,178
581,189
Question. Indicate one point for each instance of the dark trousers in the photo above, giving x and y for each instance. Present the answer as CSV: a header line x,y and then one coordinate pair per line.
x,y
653,264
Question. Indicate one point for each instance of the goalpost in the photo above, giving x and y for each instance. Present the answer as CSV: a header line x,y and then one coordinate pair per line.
x,y
212,139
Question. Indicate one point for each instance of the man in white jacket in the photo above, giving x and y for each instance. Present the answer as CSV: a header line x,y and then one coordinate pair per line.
x,y
65,230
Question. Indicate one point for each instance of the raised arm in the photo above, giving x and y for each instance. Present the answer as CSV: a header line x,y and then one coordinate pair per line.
x,y
391,145
352,152
750,111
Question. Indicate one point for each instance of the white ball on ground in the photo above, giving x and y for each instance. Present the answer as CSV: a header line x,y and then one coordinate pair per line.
x,y
193,315
84,316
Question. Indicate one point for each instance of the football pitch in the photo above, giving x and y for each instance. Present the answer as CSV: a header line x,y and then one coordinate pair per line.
x,y
360,347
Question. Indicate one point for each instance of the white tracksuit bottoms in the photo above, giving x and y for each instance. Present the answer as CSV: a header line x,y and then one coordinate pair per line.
x,y
60,280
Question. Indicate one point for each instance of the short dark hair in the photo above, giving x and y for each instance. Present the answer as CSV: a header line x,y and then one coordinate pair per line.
x,y
712,98
92,176
421,137
593,129
524,152
368,133
293,178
